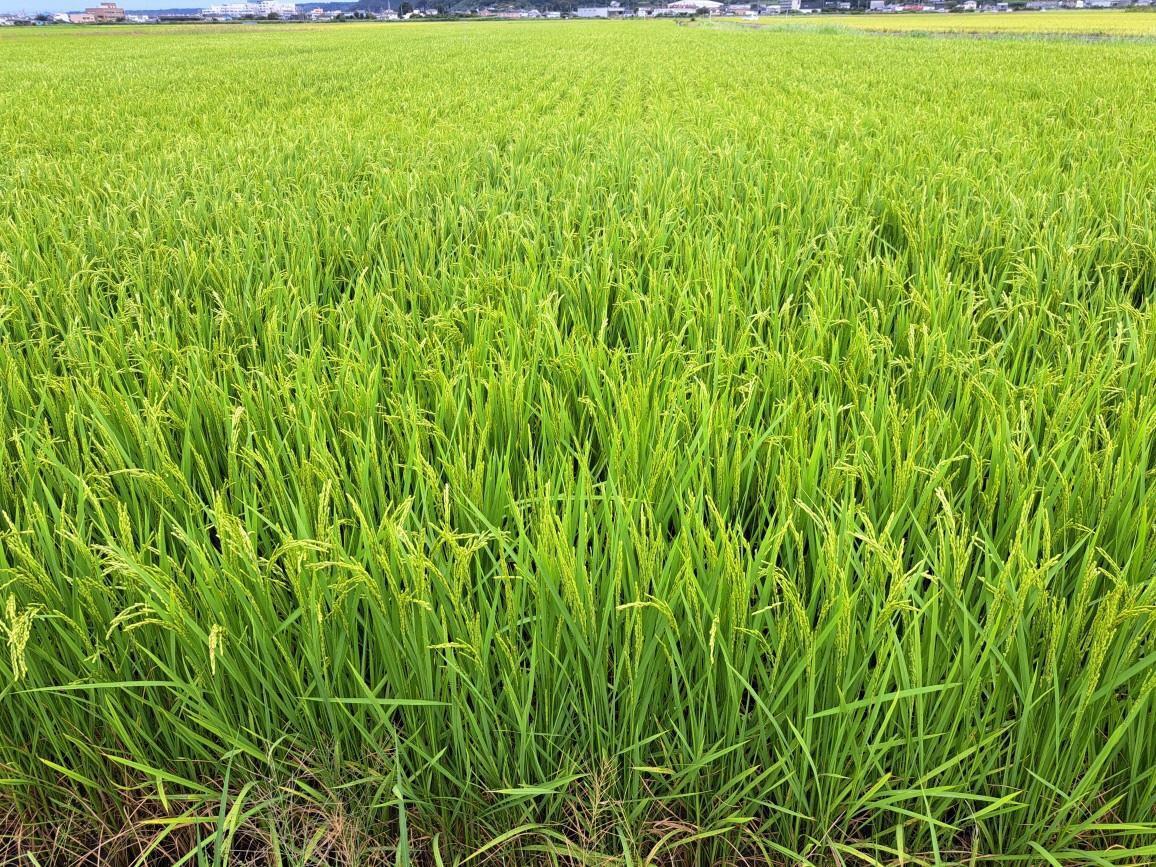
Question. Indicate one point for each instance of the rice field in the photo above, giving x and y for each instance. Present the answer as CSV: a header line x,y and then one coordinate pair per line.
x,y
576,443
1133,23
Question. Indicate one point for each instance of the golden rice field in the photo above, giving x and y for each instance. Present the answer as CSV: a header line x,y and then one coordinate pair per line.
x,y
576,444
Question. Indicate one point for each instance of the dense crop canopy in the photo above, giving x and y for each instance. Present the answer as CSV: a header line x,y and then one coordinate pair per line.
x,y
576,441
1137,23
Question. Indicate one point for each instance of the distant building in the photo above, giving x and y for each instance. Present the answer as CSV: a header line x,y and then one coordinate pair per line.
x,y
262,9
614,10
102,14
691,7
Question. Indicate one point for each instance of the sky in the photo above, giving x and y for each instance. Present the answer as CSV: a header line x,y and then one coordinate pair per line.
x,y
32,7
9,6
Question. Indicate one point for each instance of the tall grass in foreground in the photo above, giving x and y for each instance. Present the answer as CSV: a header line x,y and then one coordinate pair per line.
x,y
576,445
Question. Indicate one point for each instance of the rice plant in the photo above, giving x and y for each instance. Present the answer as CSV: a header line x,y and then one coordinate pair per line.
x,y
1133,23
577,443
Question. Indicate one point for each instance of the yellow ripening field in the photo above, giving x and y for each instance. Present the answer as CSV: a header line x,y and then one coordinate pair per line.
x,y
1082,22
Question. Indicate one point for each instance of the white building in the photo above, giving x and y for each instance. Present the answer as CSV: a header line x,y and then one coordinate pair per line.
x,y
614,10
690,7
261,9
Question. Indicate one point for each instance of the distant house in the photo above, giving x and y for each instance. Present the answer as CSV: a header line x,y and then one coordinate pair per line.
x,y
614,10
691,7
